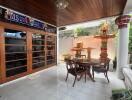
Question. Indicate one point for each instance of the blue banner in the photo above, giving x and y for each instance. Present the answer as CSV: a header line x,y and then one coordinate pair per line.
x,y
12,16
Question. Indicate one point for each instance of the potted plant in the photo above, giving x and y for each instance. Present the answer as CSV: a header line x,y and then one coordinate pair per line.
x,y
67,56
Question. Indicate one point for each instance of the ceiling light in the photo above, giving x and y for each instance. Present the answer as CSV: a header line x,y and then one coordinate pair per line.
x,y
61,4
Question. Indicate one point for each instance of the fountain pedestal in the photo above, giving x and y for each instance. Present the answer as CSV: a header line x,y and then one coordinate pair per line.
x,y
104,39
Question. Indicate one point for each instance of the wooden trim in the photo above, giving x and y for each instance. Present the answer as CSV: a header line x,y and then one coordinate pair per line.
x,y
2,56
29,52
29,32
16,76
42,68
54,64
22,28
38,69
26,73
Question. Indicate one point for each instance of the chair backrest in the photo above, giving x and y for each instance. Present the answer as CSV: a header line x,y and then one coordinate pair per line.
x,y
69,64
77,66
83,56
105,63
72,64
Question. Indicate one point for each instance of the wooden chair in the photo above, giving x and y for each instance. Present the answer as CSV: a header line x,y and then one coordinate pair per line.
x,y
74,69
102,67
83,56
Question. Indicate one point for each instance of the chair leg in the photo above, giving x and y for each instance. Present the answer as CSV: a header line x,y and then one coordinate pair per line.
x,y
80,77
105,74
107,77
66,77
93,74
85,76
74,81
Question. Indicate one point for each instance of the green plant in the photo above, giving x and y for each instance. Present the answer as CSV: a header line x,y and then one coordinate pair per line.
x,y
82,32
67,56
112,27
121,94
130,38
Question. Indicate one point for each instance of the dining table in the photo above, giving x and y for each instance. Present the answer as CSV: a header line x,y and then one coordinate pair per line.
x,y
87,64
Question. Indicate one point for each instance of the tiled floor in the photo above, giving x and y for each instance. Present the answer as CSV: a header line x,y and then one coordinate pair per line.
x,y
50,85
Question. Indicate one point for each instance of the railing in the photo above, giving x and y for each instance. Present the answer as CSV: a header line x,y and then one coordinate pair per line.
x,y
128,79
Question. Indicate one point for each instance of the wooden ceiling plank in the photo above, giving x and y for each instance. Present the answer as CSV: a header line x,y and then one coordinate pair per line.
x,y
77,10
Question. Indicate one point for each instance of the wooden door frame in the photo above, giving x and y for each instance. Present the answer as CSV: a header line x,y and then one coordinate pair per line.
x,y
55,36
29,52
2,56
29,32
38,69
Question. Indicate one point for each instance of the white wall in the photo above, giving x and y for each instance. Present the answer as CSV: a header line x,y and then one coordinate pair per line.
x,y
66,44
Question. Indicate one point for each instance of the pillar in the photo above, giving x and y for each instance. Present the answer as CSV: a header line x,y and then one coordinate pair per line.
x,y
57,46
122,50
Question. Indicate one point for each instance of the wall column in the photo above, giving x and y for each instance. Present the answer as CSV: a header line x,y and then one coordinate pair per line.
x,y
122,50
2,56
58,46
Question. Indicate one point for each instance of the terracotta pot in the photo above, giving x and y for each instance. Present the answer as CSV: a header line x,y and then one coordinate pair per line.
x,y
103,48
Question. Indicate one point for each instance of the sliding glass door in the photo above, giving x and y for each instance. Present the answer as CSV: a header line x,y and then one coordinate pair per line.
x,y
38,51
15,52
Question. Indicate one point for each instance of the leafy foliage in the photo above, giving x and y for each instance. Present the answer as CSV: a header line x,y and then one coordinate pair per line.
x,y
66,35
82,32
112,27
130,38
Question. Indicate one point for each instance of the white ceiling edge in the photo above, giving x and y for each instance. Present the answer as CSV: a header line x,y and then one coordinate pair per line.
x,y
128,7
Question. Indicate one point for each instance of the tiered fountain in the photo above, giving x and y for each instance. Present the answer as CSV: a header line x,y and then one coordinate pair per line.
x,y
104,39
78,49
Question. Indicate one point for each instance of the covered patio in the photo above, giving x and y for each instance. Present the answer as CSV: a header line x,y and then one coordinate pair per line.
x,y
39,38
51,84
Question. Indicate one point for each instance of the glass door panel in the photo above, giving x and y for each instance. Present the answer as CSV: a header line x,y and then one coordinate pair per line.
x,y
51,49
15,52
38,50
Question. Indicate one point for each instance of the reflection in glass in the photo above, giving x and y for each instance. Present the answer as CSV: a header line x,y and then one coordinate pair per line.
x,y
38,59
15,56
50,50
16,71
38,42
38,65
15,50
50,62
38,50
36,54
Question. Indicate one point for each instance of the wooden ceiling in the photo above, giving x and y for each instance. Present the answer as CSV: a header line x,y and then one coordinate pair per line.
x,y
76,12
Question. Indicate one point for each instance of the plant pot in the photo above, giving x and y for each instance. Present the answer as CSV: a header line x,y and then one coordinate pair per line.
x,y
104,49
